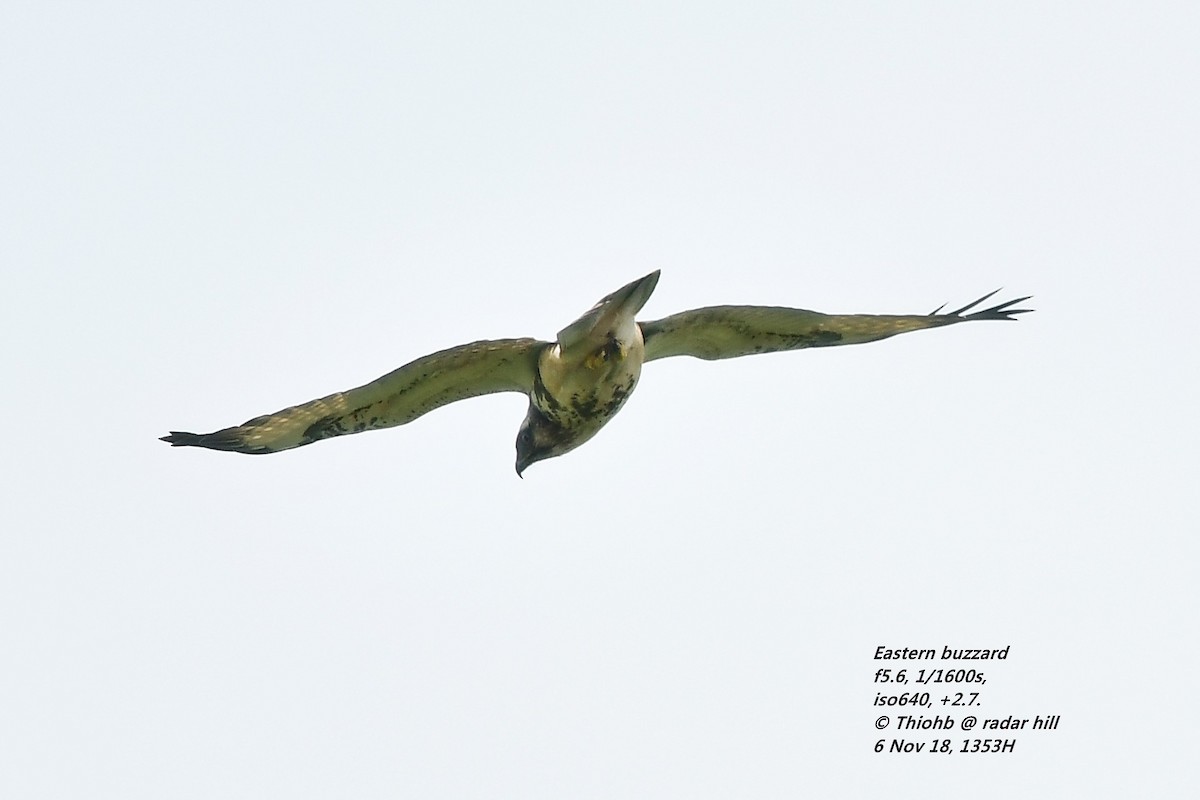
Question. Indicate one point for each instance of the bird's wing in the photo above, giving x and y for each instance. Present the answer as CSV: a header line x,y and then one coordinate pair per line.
x,y
502,365
731,331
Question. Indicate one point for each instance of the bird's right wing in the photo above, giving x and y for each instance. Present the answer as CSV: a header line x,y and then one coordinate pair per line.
x,y
731,331
503,365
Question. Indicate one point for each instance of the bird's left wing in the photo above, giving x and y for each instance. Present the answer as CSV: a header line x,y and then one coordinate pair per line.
x,y
502,365
731,331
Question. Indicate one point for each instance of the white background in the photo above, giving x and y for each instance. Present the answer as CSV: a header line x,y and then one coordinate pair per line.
x,y
211,211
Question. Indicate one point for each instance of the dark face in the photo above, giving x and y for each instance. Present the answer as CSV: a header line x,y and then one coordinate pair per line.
x,y
539,438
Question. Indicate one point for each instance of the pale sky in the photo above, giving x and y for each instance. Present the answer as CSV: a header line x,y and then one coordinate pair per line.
x,y
212,211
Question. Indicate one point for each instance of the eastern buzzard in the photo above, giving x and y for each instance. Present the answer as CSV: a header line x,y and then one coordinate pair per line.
x,y
576,383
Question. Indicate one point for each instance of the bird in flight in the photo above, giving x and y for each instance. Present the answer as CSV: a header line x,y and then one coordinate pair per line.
x,y
579,381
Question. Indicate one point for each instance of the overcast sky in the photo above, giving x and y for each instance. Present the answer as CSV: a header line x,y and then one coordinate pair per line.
x,y
212,211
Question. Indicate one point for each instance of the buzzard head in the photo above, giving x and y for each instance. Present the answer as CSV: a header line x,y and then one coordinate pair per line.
x,y
541,438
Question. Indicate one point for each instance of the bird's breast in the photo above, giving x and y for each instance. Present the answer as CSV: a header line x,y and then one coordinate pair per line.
x,y
582,393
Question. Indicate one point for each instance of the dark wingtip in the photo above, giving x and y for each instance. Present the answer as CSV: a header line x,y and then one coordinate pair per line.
x,y
182,439
1001,311
229,439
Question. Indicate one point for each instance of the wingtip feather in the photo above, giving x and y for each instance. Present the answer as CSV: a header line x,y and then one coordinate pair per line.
x,y
182,439
1001,311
